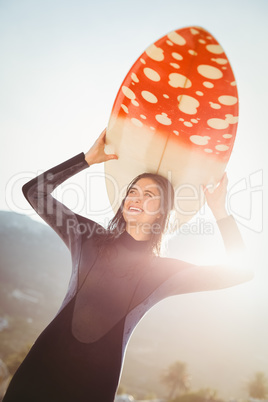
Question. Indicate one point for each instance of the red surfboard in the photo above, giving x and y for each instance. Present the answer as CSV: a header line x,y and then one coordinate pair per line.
x,y
175,114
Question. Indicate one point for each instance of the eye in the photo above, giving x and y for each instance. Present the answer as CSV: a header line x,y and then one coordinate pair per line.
x,y
148,194
132,191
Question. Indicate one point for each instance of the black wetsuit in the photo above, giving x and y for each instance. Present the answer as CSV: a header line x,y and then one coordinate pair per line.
x,y
78,357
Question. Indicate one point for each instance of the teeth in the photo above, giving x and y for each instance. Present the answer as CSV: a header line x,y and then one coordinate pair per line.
x,y
135,209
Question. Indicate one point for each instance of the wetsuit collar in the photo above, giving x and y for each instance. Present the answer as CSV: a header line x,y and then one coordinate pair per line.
x,y
136,245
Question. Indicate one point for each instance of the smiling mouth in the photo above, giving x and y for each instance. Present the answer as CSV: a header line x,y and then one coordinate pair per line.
x,y
135,209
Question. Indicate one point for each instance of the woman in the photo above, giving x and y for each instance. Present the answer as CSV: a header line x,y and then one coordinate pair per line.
x,y
116,277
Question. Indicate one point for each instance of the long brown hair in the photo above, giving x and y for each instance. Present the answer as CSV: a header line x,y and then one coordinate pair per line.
x,y
117,224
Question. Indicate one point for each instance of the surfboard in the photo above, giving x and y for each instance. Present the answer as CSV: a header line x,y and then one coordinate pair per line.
x,y
175,114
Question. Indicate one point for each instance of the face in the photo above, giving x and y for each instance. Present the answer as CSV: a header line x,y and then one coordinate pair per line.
x,y
143,203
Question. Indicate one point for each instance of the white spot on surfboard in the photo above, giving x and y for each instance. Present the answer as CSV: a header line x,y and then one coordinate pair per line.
x,y
188,124
176,38
208,84
194,31
179,81
170,43
149,97
136,122
221,124
199,140
192,52
128,92
208,150
220,61
188,104
175,65
227,135
216,49
134,77
125,108
176,56
166,96
199,93
134,102
155,53
202,41
163,119
221,147
227,100
151,74
176,132
231,119
218,124
215,105
210,72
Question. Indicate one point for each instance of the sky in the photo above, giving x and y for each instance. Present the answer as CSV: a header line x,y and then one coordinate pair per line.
x,y
62,63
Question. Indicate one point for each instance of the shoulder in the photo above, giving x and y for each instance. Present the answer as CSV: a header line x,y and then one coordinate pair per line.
x,y
88,228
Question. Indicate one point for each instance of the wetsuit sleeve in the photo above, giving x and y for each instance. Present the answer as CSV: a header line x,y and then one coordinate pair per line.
x,y
38,193
189,278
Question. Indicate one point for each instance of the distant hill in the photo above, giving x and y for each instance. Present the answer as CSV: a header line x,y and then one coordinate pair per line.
x,y
34,271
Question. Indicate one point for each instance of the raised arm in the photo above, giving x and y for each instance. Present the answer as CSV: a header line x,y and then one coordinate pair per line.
x,y
39,190
236,269
188,278
38,193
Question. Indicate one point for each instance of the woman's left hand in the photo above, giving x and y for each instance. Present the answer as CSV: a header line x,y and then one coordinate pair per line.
x,y
216,198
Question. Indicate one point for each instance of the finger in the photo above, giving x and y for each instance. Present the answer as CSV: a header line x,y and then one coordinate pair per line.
x,y
208,188
102,135
111,156
224,182
224,178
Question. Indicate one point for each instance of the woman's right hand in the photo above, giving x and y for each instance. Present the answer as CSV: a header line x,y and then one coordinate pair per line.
x,y
96,153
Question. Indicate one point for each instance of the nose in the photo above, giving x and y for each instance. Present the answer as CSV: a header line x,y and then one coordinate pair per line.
x,y
138,199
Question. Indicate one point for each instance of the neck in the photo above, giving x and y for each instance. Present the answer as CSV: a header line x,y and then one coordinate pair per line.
x,y
138,232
